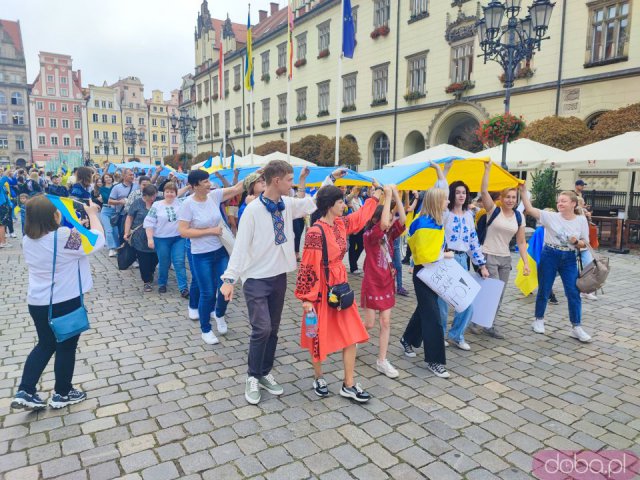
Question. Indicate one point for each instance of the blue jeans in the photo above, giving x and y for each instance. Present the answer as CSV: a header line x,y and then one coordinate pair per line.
x,y
171,250
194,290
552,262
460,319
110,233
397,262
207,268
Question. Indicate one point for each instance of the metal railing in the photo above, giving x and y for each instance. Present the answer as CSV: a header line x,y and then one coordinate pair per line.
x,y
607,203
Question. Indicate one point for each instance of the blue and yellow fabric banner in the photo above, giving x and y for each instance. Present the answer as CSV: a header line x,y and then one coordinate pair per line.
x,y
527,284
66,208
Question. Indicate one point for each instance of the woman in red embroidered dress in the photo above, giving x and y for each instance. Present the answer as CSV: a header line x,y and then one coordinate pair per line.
x,y
337,329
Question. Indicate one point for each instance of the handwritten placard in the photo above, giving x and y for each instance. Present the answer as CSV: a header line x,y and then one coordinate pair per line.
x,y
450,282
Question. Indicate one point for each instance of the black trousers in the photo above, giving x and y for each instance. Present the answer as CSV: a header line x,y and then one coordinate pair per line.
x,y
45,348
147,262
425,325
356,247
298,229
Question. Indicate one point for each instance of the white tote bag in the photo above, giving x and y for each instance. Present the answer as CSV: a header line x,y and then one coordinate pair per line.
x,y
227,238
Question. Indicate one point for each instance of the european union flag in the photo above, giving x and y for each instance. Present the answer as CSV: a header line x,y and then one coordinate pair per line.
x,y
348,31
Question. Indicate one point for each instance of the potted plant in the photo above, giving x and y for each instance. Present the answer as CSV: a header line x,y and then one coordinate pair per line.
x,y
265,77
282,121
379,101
281,71
265,124
458,88
323,113
499,128
323,53
411,96
300,62
348,108
381,31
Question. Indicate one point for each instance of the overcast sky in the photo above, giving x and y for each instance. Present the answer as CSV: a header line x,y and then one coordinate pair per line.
x,y
150,39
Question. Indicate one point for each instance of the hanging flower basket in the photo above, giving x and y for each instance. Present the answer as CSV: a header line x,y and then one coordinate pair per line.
x,y
236,87
300,62
265,77
409,97
457,88
324,53
381,31
496,130
281,71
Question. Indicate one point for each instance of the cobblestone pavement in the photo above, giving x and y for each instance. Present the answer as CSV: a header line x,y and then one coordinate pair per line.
x,y
163,405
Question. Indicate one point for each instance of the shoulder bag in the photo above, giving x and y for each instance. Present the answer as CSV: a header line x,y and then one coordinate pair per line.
x,y
593,276
339,296
71,324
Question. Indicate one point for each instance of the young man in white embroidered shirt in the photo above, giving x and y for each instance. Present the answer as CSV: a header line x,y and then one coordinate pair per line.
x,y
262,255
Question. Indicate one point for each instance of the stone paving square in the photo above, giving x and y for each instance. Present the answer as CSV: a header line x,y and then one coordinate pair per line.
x,y
163,405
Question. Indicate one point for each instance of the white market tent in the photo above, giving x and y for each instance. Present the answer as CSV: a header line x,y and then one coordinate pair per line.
x,y
524,154
434,153
216,162
295,161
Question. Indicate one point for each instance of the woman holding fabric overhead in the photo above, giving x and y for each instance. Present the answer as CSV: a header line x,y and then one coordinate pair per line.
x,y
339,326
426,239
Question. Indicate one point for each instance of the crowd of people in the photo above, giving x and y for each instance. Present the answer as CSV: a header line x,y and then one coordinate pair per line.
x,y
251,231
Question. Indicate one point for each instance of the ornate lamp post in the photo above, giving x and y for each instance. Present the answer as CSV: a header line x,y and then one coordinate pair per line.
x,y
106,145
131,137
509,45
184,124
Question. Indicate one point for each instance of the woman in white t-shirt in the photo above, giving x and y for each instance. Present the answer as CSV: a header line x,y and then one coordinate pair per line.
x,y
565,233
42,228
161,225
199,220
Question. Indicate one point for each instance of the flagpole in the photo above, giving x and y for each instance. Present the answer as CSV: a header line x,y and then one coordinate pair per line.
x,y
289,75
251,122
289,120
339,95
223,99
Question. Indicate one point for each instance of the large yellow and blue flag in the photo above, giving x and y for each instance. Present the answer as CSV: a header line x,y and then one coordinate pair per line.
x,y
528,283
66,208
248,63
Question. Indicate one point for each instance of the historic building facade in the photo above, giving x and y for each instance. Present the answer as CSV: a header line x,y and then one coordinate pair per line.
x,y
187,108
135,117
104,122
408,53
57,109
15,144
158,127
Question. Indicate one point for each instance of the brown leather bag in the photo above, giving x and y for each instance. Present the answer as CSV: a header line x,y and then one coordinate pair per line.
x,y
593,276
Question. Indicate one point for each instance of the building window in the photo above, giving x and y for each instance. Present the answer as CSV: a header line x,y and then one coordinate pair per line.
x,y
76,124
76,109
105,118
381,13
96,135
51,91
199,92
265,62
609,31
64,108
226,81
324,36
65,123
19,143
163,138
4,118
141,121
130,151
282,108
4,143
52,107
114,136
380,83
17,98
237,113
39,120
66,141
114,119
39,105
155,108
301,103
418,8
215,89
206,90
110,104
216,125
163,124
417,77
174,139
155,151
323,98
18,118
115,149
461,62
380,151
236,75
227,120
154,137
301,40
282,55
50,78
42,140
200,128
128,120
96,103
64,92
96,150
95,117
105,135
63,80
266,110
79,144
349,91
143,150
54,140
53,123
154,122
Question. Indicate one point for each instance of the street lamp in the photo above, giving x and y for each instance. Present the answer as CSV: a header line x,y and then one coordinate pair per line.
x,y
185,125
106,145
517,41
131,137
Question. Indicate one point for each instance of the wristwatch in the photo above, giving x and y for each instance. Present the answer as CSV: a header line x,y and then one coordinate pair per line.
x,y
333,179
230,281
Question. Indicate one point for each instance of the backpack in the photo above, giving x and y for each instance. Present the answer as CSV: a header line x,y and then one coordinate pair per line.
x,y
483,224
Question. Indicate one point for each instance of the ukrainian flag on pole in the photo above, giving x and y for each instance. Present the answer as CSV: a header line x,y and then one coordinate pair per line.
x,y
248,63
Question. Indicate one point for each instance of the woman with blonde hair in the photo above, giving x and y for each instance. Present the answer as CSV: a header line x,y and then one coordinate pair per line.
x,y
426,240
565,233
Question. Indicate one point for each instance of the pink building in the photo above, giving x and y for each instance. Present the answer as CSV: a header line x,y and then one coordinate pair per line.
x,y
57,108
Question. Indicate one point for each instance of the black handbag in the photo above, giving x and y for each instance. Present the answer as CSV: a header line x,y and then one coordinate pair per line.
x,y
339,296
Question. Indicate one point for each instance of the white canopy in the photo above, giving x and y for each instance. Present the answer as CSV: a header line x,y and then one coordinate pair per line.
x,y
216,162
524,154
434,153
621,152
295,161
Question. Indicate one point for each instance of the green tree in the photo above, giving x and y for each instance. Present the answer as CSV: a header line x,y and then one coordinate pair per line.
x,y
308,148
617,122
565,133
544,189
349,152
176,160
270,147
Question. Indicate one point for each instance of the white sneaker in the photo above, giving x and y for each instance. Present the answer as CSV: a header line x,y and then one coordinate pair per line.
x,y
135,264
385,367
589,296
193,314
538,325
13,235
221,324
446,344
113,252
579,333
5,245
461,345
356,272
210,338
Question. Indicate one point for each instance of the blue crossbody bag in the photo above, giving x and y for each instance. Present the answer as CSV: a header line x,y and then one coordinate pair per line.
x,y
73,323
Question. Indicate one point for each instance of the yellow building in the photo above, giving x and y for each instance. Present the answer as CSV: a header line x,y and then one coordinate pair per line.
x,y
159,139
134,114
104,125
408,53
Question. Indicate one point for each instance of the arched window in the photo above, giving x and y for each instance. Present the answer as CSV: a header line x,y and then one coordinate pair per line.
x,y
16,98
380,151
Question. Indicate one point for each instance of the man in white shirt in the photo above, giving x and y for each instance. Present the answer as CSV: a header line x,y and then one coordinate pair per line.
x,y
262,255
